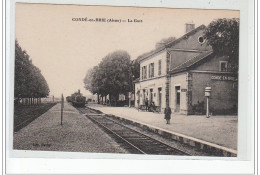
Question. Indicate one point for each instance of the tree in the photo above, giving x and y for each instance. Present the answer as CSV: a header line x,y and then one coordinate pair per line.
x,y
134,72
93,80
115,74
223,36
135,69
29,82
88,81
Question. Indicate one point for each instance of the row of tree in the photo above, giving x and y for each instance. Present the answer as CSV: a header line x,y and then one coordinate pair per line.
x,y
29,85
113,76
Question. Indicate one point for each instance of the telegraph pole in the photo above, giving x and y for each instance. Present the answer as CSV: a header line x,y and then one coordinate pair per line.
x,y
62,106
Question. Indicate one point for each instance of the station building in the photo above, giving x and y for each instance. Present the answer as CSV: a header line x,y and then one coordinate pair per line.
x,y
178,73
152,82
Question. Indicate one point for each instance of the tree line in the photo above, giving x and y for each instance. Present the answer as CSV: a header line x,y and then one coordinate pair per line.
x,y
113,76
29,83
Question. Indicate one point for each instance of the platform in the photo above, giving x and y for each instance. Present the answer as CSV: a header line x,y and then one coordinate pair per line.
x,y
76,134
218,133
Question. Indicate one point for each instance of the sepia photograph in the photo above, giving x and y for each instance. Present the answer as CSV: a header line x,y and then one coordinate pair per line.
x,y
126,80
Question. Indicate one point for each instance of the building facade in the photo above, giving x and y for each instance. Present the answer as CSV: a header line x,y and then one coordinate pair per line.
x,y
188,66
151,85
188,83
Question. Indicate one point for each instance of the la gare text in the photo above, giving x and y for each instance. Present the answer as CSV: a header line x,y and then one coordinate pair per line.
x,y
135,20
107,20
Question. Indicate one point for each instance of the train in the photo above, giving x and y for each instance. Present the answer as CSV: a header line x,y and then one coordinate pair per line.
x,y
68,98
77,99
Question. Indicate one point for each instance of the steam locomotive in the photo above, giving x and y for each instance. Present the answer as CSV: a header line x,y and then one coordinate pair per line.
x,y
77,99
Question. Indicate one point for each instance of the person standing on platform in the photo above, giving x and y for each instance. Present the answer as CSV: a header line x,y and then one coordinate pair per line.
x,y
167,113
152,107
146,104
138,104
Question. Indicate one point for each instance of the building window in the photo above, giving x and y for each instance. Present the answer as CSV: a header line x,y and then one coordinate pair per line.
x,y
159,67
142,73
151,70
145,72
201,40
223,66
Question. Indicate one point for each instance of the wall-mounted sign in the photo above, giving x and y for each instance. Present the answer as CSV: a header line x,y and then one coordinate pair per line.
x,y
223,78
183,90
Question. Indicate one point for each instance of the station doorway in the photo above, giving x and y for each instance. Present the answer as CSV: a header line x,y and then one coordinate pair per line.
x,y
138,98
151,95
144,96
178,98
160,97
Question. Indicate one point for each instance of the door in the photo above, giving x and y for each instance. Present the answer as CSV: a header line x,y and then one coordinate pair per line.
x,y
178,99
151,95
144,96
160,97
138,98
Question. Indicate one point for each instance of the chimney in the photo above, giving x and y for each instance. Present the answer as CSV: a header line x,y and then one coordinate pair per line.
x,y
79,91
189,27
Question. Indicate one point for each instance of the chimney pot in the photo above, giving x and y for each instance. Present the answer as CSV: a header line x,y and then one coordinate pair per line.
x,y
189,27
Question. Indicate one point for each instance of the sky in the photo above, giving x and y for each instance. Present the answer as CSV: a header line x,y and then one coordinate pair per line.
x,y
65,49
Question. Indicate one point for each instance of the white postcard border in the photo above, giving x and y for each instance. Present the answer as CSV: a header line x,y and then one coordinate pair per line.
x,y
104,163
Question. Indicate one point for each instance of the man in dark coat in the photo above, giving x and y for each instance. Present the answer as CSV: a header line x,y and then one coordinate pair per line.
x,y
152,106
167,113
146,104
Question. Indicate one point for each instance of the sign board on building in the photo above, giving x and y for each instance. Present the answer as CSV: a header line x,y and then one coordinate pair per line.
x,y
223,78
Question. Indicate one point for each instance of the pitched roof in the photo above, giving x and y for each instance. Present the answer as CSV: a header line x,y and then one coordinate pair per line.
x,y
186,35
184,66
171,43
146,55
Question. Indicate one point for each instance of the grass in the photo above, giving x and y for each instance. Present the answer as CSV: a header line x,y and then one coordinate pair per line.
x,y
23,115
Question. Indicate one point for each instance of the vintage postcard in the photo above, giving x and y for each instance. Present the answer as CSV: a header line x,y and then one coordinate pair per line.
x,y
126,80
129,87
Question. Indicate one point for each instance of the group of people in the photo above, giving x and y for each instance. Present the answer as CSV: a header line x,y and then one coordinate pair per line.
x,y
151,107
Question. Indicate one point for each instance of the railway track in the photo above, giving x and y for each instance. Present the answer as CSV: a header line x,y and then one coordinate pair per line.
x,y
133,141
